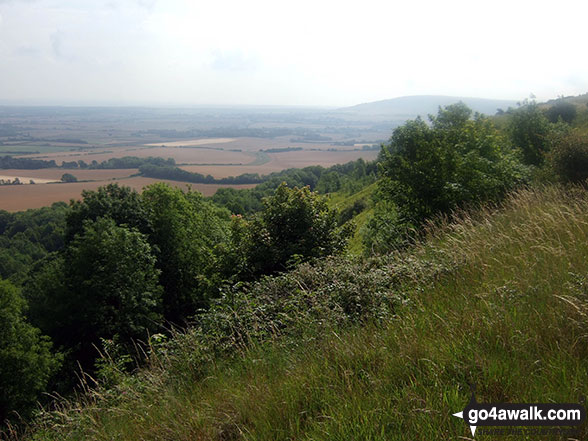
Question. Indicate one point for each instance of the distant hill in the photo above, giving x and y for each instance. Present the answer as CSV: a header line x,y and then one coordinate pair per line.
x,y
411,106
580,100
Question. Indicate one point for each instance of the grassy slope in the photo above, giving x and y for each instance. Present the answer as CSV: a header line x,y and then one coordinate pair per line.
x,y
510,316
340,201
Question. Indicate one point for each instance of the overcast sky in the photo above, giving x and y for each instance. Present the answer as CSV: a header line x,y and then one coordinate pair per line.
x,y
303,52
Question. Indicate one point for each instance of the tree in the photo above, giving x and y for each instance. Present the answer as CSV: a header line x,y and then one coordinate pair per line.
x,y
68,177
529,131
26,362
121,204
561,109
429,170
186,230
294,224
104,285
569,158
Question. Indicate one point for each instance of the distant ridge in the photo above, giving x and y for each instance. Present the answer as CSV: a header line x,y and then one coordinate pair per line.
x,y
412,106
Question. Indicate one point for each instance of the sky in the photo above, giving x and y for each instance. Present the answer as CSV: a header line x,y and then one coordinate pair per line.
x,y
273,52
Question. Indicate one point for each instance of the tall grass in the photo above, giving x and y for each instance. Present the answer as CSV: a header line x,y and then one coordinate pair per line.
x,y
498,299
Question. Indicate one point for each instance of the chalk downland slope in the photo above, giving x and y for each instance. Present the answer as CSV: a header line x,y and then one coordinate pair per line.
x,y
498,299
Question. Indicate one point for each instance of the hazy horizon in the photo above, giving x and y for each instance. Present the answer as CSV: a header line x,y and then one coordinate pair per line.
x,y
151,53
172,106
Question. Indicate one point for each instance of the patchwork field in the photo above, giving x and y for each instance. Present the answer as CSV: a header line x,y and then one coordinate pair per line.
x,y
180,155
218,163
220,142
193,142
281,161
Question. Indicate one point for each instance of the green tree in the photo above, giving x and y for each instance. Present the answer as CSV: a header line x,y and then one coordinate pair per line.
x,y
27,236
433,169
121,204
562,109
68,177
104,285
529,131
294,224
569,158
26,362
186,230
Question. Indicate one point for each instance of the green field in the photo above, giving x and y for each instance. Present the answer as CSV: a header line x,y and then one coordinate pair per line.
x,y
33,149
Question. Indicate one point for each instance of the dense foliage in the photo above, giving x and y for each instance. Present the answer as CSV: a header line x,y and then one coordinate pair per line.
x,y
131,162
350,177
28,236
563,110
383,349
178,174
112,163
529,131
124,265
121,204
185,231
26,363
295,225
25,163
105,285
347,178
428,170
569,158
68,177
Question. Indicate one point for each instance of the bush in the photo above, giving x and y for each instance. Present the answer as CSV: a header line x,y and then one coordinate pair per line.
x,y
569,158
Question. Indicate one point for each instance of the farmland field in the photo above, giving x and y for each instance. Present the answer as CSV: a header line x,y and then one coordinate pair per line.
x,y
194,142
217,142
281,161
25,180
54,174
23,197
180,155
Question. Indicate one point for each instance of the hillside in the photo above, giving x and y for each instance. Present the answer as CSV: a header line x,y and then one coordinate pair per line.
x,y
355,208
379,350
412,106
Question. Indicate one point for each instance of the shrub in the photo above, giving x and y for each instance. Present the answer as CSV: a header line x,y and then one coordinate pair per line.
x,y
569,158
